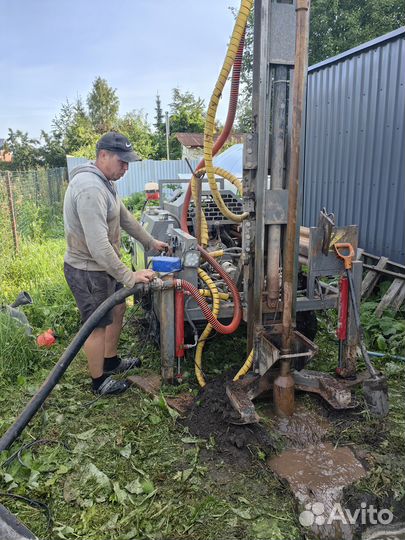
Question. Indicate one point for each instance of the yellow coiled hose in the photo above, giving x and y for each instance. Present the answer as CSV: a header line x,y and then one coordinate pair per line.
x,y
207,293
223,174
246,366
207,331
238,32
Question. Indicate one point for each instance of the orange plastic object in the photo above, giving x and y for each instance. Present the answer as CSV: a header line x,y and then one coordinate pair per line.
x,y
46,339
346,258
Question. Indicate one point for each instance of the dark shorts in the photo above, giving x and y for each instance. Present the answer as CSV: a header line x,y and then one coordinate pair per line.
x,y
90,289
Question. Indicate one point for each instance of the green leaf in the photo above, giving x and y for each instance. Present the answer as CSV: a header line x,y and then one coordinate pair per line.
x,y
184,475
86,435
126,451
92,472
244,514
192,440
21,380
120,494
147,486
154,419
381,343
135,487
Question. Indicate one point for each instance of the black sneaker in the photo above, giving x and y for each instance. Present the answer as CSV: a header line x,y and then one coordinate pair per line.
x,y
112,387
126,364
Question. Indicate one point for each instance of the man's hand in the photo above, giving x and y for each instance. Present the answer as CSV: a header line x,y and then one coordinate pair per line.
x,y
160,246
144,276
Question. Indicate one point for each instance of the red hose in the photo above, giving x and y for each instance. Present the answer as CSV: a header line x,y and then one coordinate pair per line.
x,y
179,323
219,327
233,101
237,312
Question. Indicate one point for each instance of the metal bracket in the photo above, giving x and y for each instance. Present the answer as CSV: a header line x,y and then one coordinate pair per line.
x,y
250,152
276,207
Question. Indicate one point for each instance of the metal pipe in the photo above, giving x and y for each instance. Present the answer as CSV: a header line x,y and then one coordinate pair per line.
x,y
277,181
300,70
179,322
262,130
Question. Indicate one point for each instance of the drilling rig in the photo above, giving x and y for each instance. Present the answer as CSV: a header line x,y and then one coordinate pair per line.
x,y
246,252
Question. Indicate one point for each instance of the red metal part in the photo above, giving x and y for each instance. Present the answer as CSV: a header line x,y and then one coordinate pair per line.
x,y
341,331
152,195
179,321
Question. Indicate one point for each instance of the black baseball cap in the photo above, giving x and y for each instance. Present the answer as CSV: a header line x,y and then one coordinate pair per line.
x,y
120,145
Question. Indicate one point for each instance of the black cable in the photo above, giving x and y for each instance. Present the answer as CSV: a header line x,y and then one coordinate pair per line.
x,y
35,443
34,503
65,360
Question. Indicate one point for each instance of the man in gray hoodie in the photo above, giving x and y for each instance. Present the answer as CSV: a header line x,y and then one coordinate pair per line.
x,y
93,217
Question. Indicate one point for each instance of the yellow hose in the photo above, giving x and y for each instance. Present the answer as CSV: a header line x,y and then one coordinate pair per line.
x,y
204,225
207,293
246,366
223,174
238,31
207,331
217,253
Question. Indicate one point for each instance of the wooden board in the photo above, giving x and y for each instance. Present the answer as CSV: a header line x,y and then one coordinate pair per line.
x,y
390,296
371,278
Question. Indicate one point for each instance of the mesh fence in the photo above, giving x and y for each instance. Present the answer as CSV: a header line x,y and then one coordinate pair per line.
x,y
31,204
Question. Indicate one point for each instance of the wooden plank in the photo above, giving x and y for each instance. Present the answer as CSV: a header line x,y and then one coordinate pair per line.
x,y
149,383
389,296
398,301
371,278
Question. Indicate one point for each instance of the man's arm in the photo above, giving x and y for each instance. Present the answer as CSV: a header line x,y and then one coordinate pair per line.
x,y
135,229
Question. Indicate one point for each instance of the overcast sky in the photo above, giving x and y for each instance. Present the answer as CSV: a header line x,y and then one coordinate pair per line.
x,y
52,50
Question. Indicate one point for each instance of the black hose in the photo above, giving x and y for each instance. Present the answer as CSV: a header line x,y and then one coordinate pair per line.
x,y
65,360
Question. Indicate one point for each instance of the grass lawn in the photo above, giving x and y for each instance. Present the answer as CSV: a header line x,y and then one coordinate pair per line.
x,y
126,467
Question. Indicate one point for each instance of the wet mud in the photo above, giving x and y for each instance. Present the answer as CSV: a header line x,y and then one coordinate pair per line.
x,y
212,417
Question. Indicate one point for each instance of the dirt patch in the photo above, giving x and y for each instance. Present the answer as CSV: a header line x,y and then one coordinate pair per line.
x,y
212,417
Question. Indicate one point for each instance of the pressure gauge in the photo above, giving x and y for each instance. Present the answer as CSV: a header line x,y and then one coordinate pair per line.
x,y
191,259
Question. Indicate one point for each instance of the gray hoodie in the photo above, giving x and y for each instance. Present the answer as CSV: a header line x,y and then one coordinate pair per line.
x,y
93,216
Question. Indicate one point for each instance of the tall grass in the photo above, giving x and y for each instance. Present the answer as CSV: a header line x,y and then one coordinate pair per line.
x,y
19,353
37,269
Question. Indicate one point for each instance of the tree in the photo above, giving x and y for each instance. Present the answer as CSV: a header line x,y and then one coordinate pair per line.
x,y
25,150
335,26
160,131
103,105
159,122
339,25
134,125
80,134
62,121
187,115
52,151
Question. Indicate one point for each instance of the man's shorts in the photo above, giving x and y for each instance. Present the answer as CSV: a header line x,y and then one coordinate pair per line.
x,y
90,289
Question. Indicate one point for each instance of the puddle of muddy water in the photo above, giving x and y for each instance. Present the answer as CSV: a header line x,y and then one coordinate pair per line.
x,y
317,476
304,428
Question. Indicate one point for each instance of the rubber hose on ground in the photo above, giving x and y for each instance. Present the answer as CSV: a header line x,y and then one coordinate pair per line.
x,y
65,360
